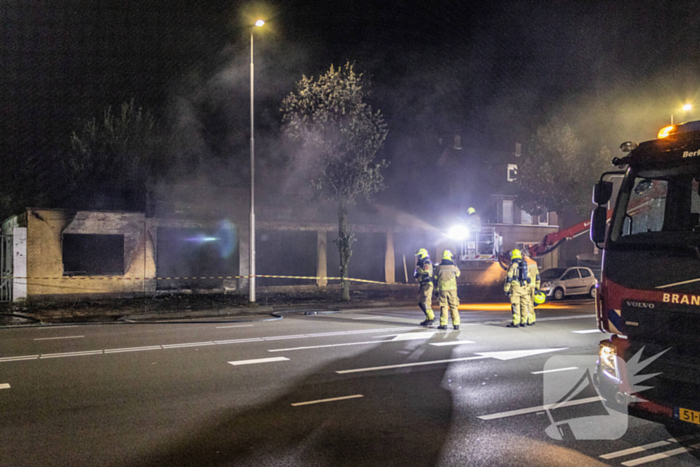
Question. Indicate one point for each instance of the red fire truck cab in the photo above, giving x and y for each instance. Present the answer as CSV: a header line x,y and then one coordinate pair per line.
x,y
649,294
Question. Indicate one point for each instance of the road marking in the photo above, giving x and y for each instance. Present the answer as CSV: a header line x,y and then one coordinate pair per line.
x,y
440,344
539,408
411,336
320,401
258,360
190,344
134,349
52,338
4,386
198,344
512,354
71,354
236,326
554,370
405,365
659,456
383,317
327,345
17,359
638,449
559,318
586,331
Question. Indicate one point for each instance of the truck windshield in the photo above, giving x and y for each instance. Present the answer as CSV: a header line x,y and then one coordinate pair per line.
x,y
657,205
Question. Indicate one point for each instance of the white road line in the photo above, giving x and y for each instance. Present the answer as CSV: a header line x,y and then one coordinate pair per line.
x,y
356,396
559,318
17,359
134,349
637,449
53,338
258,360
411,336
587,331
383,317
198,344
71,354
327,345
440,344
188,344
540,408
235,326
238,341
7,386
555,370
405,365
656,457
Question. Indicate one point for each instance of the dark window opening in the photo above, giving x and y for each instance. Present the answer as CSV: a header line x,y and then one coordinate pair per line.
x,y
93,255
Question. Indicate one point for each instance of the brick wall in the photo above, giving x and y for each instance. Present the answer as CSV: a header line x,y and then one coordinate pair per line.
x,y
45,229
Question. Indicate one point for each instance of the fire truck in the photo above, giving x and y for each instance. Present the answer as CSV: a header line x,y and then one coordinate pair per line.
x,y
649,294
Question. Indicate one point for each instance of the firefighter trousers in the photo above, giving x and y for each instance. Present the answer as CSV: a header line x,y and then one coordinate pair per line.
x,y
531,317
449,301
425,297
519,303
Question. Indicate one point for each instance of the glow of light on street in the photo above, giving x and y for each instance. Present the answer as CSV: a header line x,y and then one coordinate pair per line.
x,y
507,307
259,23
458,232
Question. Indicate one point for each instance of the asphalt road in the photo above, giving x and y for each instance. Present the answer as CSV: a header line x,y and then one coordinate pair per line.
x,y
361,387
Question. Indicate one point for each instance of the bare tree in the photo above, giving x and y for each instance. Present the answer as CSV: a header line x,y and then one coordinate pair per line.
x,y
341,134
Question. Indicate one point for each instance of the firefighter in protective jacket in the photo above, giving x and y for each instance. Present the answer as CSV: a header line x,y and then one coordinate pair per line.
x,y
424,275
446,275
517,288
533,273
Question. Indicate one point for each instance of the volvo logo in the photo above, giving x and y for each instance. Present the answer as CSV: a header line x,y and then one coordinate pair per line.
x,y
640,304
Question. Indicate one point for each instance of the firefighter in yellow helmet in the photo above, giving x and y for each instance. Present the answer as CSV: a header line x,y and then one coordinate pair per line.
x,y
516,286
424,274
473,220
533,274
446,275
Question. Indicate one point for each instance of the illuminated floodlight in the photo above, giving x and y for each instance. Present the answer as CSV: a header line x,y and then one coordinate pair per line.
x,y
259,23
687,107
458,232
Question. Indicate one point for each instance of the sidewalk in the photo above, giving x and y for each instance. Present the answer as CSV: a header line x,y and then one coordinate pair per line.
x,y
172,307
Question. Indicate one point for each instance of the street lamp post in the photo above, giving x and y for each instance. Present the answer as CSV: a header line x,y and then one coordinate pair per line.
x,y
686,108
251,281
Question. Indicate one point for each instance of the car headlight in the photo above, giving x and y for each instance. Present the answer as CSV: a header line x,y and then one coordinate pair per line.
x,y
546,285
607,359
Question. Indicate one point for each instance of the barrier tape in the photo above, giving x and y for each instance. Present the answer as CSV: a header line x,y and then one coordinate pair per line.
x,y
266,276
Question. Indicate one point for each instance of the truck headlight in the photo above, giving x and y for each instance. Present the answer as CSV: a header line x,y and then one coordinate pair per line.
x,y
607,359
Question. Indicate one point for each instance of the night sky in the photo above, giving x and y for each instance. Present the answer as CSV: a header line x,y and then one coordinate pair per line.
x,y
492,71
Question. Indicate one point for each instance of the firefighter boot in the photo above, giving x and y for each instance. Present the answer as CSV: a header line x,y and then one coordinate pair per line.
x,y
428,321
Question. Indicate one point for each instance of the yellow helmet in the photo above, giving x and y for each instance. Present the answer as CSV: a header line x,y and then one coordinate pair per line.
x,y
516,254
471,211
422,253
539,298
447,255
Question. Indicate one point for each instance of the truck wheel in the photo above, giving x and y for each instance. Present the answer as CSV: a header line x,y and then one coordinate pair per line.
x,y
591,293
558,294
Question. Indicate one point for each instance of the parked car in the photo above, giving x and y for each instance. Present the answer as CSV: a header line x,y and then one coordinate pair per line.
x,y
558,283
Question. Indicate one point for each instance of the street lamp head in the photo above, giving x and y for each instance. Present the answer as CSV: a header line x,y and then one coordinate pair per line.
x,y
687,107
259,23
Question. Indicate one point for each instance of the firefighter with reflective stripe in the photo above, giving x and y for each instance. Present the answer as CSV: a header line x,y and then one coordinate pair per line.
x,y
516,286
446,275
533,273
424,274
